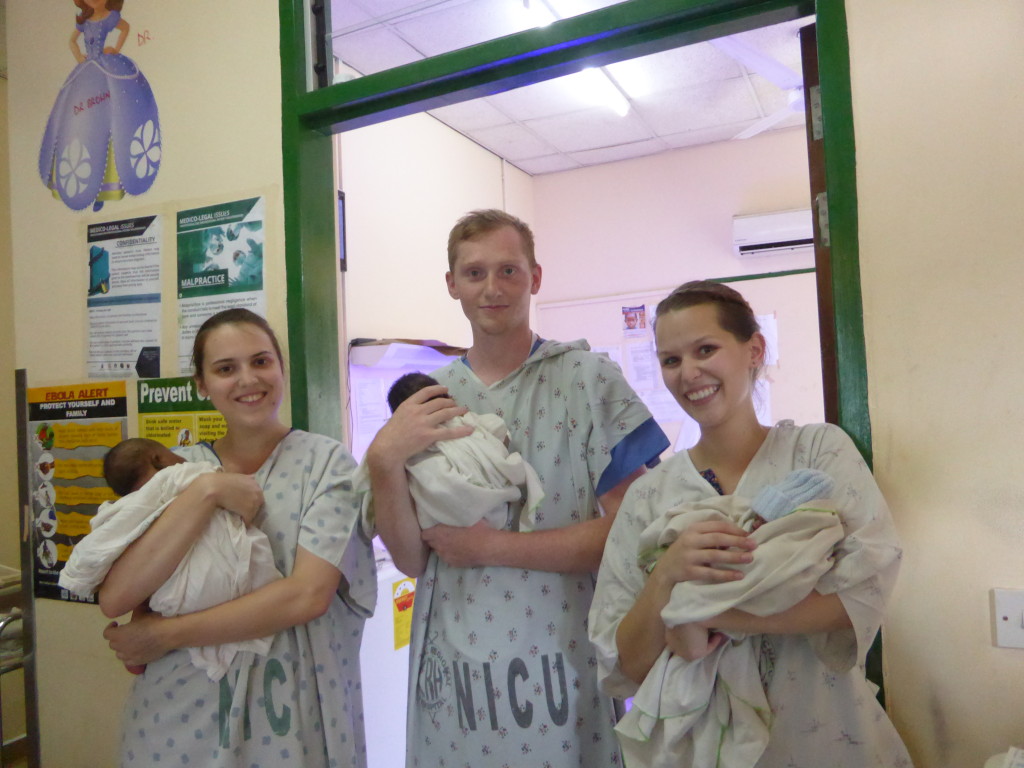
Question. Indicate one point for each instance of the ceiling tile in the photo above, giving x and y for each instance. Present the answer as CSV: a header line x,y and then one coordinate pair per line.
x,y
513,142
381,10
536,166
704,135
769,96
566,8
551,97
619,152
374,50
781,41
603,128
449,28
671,70
699,106
470,115
347,13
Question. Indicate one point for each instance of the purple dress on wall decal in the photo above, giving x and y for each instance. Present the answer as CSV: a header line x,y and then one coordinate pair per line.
x,y
103,136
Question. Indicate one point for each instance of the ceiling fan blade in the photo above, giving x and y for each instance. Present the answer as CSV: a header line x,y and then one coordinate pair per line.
x,y
756,61
765,123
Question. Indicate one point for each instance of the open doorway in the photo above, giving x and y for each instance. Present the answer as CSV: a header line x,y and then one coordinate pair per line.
x,y
625,223
610,235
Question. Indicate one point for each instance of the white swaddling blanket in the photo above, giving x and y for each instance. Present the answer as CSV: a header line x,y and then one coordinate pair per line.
x,y
715,709
463,481
228,560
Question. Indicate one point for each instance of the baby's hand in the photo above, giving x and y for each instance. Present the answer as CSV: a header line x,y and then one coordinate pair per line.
x,y
416,425
692,641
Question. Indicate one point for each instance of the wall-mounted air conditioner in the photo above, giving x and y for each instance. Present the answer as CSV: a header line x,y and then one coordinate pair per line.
x,y
765,233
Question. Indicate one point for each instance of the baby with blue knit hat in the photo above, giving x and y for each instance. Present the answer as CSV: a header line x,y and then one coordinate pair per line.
x,y
794,493
798,487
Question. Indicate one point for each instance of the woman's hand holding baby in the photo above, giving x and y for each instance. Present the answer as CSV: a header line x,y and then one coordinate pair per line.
x,y
236,493
138,642
703,552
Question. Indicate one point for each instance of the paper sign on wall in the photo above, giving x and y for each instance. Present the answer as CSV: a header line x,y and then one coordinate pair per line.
x,y
124,298
172,412
71,428
220,265
403,595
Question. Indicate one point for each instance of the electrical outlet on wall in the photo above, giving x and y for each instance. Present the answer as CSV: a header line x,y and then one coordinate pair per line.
x,y
1008,617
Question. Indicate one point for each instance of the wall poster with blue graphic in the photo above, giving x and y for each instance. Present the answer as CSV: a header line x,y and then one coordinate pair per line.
x,y
220,265
124,298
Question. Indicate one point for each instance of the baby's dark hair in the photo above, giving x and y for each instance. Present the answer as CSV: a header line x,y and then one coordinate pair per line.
x,y
406,386
125,463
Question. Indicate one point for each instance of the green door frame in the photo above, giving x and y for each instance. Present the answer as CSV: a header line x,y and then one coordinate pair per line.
x,y
618,32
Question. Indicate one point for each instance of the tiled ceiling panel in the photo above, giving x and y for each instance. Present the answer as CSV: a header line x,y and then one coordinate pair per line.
x,y
693,95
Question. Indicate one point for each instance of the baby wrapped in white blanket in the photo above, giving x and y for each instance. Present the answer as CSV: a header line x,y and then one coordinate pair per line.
x,y
228,560
463,481
717,704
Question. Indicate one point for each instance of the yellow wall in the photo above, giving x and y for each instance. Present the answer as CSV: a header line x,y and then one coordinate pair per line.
x,y
940,172
8,434
936,104
12,683
215,72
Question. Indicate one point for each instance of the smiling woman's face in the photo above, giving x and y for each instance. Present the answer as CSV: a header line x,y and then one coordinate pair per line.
x,y
242,374
707,369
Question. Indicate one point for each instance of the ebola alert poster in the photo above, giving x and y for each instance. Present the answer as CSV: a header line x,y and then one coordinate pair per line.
x,y
71,428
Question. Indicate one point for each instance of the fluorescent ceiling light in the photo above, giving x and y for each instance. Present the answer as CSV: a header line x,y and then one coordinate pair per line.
x,y
537,13
597,88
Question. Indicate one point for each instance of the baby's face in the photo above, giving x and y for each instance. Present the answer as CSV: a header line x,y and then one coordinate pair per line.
x,y
160,458
164,457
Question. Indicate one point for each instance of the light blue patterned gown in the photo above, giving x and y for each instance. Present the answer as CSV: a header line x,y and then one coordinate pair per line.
x,y
301,705
501,671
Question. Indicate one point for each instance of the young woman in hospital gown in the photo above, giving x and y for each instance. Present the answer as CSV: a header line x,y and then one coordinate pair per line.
x,y
300,704
820,708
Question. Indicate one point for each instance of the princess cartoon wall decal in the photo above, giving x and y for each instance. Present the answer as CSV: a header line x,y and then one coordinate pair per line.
x,y
103,136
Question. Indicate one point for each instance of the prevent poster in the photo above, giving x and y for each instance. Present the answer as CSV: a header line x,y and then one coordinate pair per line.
x,y
172,412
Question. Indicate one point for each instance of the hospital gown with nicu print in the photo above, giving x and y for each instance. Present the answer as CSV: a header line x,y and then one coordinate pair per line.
x,y
300,706
501,671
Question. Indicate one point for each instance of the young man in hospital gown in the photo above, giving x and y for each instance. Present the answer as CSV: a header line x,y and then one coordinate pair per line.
x,y
501,671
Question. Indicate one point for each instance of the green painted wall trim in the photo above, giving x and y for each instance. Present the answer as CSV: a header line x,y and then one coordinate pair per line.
x,y
761,275
310,246
841,180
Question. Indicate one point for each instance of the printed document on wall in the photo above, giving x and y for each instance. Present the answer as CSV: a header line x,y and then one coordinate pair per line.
x,y
124,298
220,265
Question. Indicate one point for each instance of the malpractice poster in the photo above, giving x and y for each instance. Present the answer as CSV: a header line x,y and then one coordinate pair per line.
x,y
220,265
172,412
71,428
124,298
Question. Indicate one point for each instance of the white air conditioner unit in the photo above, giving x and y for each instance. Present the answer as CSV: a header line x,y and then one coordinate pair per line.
x,y
765,233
